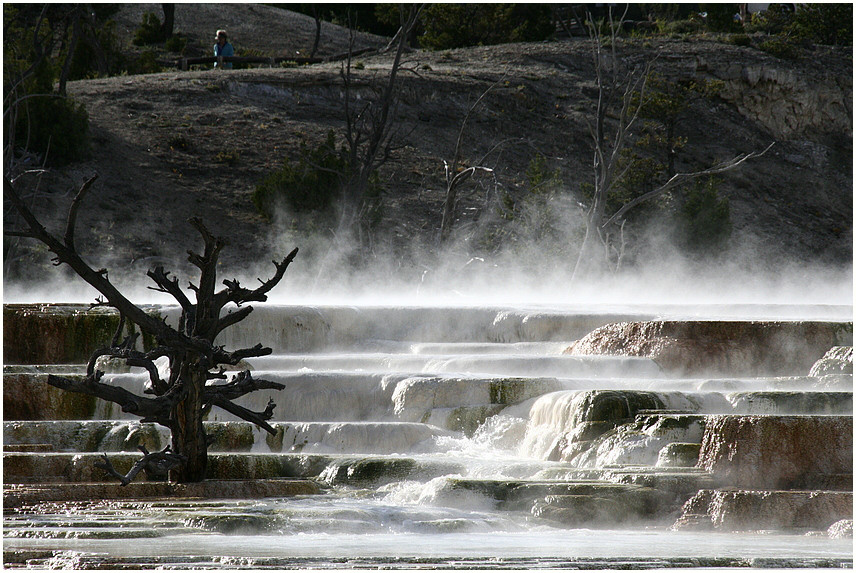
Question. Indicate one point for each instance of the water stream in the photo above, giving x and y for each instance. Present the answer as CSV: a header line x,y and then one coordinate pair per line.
x,y
442,438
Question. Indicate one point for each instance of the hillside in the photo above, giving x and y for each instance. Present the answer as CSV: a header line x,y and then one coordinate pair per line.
x,y
170,145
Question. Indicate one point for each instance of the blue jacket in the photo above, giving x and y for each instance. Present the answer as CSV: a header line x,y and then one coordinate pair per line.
x,y
226,51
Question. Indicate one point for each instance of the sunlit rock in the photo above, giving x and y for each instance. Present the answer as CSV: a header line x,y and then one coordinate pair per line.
x,y
678,483
841,529
230,437
602,427
727,347
112,365
640,442
240,524
414,398
127,437
748,510
839,360
291,329
792,104
778,452
352,437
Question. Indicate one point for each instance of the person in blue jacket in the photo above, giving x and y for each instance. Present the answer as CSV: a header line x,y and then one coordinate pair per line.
x,y
223,48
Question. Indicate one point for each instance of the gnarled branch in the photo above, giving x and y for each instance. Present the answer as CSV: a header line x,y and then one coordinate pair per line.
x,y
223,357
239,295
243,383
154,464
155,409
258,418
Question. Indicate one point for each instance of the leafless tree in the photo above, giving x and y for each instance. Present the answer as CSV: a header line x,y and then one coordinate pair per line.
x,y
621,95
369,129
180,401
456,173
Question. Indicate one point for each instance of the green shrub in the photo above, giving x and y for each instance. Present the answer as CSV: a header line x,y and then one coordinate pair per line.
x,y
680,27
830,24
705,218
781,47
50,124
86,63
449,26
176,44
773,20
739,40
227,157
178,141
146,63
149,31
720,17
310,184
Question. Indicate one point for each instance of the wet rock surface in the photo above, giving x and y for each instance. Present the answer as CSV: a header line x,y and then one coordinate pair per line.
x,y
741,510
15,495
384,441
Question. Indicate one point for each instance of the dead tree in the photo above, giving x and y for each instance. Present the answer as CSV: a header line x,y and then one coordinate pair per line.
x,y
621,94
181,400
457,174
368,129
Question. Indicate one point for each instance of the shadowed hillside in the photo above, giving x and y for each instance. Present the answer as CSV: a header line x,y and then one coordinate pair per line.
x,y
174,144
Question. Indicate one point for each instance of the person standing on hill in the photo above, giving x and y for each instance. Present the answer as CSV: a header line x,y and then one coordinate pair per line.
x,y
223,48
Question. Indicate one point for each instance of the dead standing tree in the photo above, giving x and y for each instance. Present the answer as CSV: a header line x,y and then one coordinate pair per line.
x,y
181,401
368,133
621,95
457,174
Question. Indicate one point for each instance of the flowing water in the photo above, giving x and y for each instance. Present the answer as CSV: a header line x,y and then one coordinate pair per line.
x,y
437,434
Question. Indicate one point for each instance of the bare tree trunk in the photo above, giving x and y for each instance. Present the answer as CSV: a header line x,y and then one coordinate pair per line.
x,y
454,176
188,435
72,46
168,25
317,15
368,129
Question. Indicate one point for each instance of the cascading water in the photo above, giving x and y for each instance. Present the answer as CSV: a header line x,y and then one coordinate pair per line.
x,y
442,438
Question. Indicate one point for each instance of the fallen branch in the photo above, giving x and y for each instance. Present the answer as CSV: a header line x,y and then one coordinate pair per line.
x,y
156,464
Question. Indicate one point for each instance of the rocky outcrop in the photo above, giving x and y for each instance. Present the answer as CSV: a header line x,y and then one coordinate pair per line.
x,y
779,452
719,347
839,360
730,510
788,103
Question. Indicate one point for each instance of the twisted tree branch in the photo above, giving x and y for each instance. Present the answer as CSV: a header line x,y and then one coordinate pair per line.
x,y
155,463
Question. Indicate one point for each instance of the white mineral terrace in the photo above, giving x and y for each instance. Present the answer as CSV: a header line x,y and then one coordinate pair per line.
x,y
442,437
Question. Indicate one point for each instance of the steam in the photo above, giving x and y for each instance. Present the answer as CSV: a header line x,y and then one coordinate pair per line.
x,y
333,270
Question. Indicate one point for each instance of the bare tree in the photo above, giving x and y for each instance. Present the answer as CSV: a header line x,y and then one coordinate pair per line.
x,y
456,173
316,15
168,25
621,94
368,128
180,401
